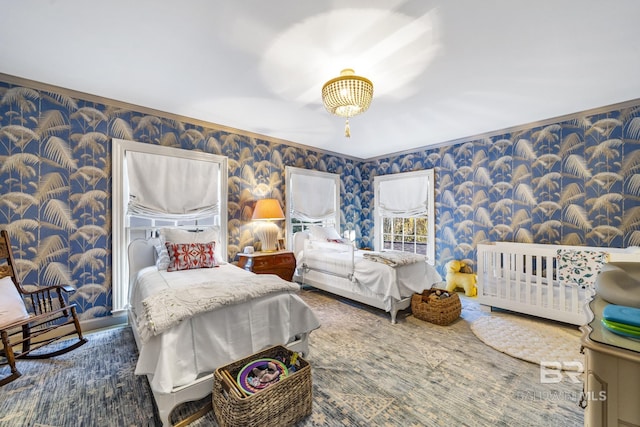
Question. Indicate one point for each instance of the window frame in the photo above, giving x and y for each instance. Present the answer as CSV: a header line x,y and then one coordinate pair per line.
x,y
379,219
123,233
334,220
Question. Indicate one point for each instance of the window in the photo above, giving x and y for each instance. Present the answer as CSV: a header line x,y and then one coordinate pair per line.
x,y
139,227
301,225
312,198
407,234
404,213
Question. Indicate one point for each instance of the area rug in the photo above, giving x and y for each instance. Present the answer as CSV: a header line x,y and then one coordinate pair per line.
x,y
365,372
534,340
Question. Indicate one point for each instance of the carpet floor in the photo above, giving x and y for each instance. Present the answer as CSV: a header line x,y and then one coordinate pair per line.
x,y
365,371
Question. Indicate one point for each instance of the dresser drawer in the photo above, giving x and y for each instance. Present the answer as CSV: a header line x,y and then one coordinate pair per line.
x,y
281,263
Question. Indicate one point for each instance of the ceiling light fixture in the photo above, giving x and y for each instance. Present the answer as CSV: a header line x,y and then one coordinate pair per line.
x,y
347,95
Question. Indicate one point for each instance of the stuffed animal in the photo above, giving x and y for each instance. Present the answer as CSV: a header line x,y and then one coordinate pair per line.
x,y
456,279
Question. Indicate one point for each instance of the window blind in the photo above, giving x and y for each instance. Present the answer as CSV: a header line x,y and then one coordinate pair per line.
x,y
171,187
404,197
312,197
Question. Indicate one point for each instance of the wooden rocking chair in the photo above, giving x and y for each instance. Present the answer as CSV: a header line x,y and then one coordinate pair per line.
x,y
43,317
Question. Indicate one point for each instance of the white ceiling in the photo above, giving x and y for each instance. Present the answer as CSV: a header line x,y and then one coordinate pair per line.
x,y
442,69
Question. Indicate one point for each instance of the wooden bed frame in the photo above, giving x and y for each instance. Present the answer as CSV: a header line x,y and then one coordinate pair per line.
x,y
141,255
503,265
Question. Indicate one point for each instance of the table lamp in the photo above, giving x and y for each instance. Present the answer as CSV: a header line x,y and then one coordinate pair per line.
x,y
267,211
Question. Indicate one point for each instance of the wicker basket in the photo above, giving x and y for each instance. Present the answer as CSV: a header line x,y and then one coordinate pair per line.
x,y
281,404
441,311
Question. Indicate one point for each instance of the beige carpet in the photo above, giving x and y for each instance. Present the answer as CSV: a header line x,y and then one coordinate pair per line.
x,y
533,340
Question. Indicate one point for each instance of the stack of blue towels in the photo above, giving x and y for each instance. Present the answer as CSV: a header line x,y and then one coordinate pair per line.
x,y
622,320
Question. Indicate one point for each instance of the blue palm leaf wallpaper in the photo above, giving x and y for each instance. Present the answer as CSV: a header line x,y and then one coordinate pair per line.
x,y
573,182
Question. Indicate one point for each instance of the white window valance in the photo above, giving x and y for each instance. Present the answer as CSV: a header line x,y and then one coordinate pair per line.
x,y
403,197
172,187
313,198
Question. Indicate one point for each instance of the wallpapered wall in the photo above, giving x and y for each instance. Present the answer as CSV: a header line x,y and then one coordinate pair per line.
x,y
55,183
576,182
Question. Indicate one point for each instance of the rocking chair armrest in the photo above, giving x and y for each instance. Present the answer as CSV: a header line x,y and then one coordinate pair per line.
x,y
36,317
66,288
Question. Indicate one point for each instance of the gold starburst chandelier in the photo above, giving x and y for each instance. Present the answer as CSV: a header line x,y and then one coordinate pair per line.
x,y
347,95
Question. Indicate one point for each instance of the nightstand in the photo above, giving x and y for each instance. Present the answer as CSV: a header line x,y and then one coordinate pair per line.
x,y
282,263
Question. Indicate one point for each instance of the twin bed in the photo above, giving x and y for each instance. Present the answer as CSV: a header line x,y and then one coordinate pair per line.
x,y
385,280
214,316
549,281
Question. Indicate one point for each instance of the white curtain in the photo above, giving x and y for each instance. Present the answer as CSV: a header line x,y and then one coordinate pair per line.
x,y
404,197
171,187
313,198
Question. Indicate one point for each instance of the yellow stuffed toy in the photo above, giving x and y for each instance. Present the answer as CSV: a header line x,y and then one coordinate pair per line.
x,y
456,279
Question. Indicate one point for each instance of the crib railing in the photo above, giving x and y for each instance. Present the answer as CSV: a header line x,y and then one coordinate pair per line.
x,y
523,277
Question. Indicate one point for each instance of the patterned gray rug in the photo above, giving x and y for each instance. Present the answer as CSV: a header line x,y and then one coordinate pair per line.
x,y
366,372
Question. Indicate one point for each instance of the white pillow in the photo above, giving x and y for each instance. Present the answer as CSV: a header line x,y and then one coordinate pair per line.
x,y
177,235
330,246
324,234
11,304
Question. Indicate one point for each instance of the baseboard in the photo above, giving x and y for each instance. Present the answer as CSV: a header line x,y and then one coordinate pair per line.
x,y
88,326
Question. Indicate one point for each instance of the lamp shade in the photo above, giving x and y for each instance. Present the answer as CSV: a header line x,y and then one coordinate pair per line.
x,y
268,209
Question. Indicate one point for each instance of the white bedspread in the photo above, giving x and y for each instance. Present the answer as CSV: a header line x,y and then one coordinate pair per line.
x,y
377,277
199,345
172,305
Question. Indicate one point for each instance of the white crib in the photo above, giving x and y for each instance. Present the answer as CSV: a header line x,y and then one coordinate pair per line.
x,y
522,277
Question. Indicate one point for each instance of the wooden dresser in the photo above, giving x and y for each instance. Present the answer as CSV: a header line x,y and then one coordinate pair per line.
x,y
611,375
282,263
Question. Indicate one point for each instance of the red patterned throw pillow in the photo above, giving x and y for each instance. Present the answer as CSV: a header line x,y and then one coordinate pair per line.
x,y
336,241
188,256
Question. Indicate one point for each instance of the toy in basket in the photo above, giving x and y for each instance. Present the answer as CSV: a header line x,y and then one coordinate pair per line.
x,y
269,388
436,306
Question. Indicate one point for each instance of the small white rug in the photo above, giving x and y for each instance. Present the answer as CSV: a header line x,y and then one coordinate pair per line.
x,y
530,339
